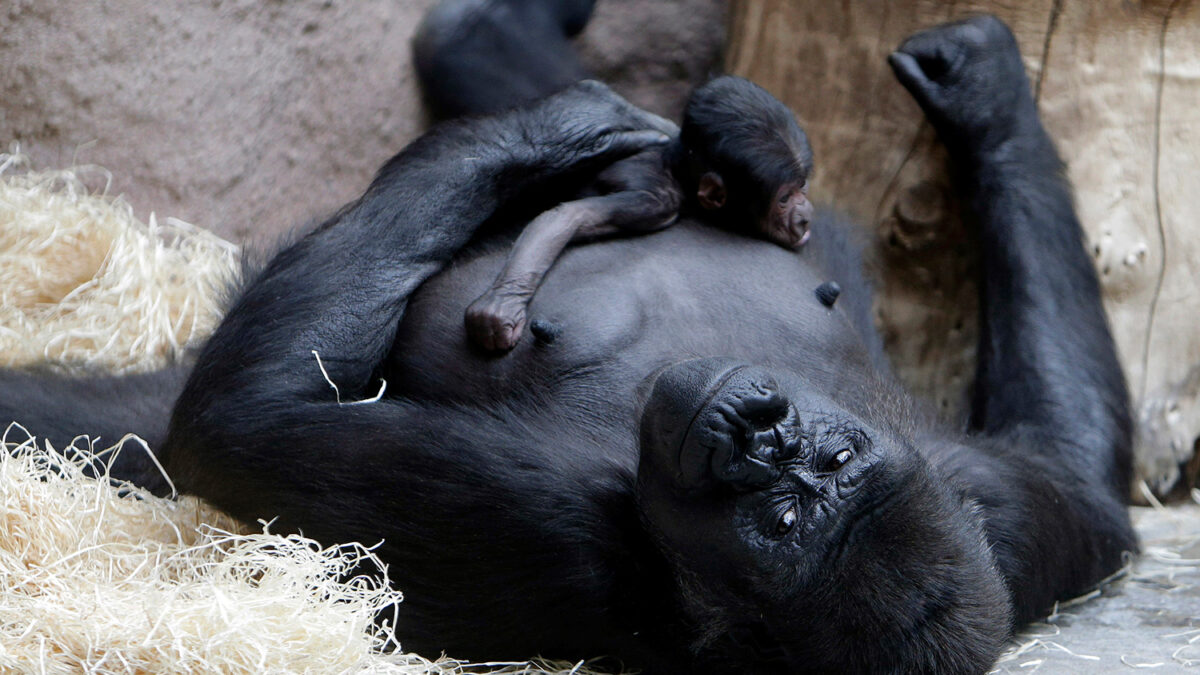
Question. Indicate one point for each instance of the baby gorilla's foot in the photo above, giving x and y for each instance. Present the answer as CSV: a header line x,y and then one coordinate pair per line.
x,y
496,320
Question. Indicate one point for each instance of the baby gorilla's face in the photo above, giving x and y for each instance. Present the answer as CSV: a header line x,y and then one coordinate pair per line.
x,y
781,215
804,540
788,214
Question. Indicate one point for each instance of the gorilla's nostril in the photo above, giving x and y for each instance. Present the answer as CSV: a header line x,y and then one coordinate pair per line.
x,y
801,215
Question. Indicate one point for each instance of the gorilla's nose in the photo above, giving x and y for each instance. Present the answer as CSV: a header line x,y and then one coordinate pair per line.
x,y
799,215
717,421
802,214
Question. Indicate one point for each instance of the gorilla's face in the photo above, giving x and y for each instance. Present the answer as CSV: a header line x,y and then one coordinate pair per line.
x,y
803,539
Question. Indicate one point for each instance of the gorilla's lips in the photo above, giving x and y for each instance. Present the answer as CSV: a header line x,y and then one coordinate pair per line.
x,y
716,421
740,433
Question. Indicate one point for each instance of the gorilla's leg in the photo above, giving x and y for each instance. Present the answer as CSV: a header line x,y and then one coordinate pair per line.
x,y
1051,404
483,56
57,408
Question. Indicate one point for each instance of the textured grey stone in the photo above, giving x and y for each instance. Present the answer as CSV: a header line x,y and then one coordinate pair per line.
x,y
250,117
1142,620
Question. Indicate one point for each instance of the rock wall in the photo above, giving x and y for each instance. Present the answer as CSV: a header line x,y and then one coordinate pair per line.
x,y
250,117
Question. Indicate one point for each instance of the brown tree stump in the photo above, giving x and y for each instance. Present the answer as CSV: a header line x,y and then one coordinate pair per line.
x,y
1118,85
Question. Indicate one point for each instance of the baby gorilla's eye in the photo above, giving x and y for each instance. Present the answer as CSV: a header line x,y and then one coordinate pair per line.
x,y
840,459
786,522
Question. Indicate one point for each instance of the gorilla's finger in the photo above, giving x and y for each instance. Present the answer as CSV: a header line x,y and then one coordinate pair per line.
x,y
638,118
507,339
489,339
910,74
619,144
906,70
594,88
651,121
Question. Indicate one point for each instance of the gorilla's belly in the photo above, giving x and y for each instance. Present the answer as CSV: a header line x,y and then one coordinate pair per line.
x,y
623,308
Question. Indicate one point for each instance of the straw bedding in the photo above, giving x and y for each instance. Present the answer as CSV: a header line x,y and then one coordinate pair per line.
x,y
101,578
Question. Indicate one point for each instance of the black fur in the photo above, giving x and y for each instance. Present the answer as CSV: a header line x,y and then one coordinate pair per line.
x,y
752,151
706,473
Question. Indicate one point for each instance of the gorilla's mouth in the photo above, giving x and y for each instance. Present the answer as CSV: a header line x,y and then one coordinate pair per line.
x,y
691,459
678,395
741,429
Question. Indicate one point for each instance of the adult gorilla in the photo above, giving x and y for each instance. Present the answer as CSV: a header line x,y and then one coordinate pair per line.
x,y
708,469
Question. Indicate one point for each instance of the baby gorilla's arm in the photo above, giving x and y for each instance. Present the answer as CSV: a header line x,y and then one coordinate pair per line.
x,y
644,197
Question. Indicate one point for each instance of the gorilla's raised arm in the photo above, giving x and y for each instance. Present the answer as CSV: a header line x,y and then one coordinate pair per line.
x,y
1050,406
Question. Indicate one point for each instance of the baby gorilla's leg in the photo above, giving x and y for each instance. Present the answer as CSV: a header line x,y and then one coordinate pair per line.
x,y
496,320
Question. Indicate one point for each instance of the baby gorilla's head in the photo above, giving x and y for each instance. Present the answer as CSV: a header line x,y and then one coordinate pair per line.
x,y
747,161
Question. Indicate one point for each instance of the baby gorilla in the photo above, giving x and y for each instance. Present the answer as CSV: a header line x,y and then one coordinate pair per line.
x,y
740,153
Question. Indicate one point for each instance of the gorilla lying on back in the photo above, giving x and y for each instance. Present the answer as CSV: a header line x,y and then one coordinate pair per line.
x,y
709,470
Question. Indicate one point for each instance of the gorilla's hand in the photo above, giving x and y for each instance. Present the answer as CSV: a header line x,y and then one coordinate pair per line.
x,y
583,127
969,79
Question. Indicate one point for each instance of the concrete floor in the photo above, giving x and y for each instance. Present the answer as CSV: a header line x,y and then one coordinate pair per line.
x,y
1148,618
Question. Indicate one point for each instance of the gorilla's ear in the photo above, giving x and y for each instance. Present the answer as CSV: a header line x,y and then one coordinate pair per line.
x,y
711,191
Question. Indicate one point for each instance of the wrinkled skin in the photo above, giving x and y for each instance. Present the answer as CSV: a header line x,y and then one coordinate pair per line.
x,y
709,470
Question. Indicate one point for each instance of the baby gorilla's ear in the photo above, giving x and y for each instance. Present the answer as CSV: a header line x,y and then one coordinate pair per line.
x,y
711,191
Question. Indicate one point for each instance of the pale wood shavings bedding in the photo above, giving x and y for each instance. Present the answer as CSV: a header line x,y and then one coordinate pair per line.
x,y
82,280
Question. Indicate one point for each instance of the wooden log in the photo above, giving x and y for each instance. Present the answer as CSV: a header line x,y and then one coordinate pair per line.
x,y
1118,86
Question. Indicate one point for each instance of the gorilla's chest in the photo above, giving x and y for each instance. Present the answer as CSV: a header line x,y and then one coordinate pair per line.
x,y
621,309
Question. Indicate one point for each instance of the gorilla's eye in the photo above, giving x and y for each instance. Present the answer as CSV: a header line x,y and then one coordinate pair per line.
x,y
786,522
840,459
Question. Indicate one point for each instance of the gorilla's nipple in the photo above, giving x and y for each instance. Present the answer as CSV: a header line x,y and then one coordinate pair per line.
x,y
544,331
828,293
